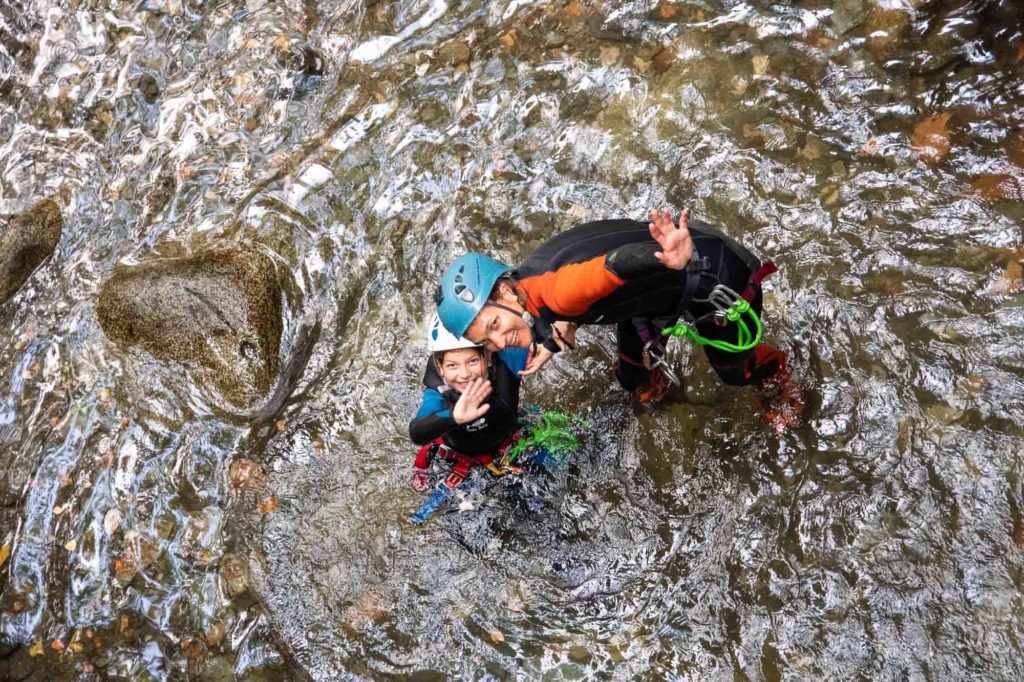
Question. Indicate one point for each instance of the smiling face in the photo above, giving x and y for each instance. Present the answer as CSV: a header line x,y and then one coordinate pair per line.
x,y
459,367
496,328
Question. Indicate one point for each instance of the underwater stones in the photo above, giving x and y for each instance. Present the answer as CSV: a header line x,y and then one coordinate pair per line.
x,y
234,570
931,138
886,30
148,88
848,15
220,310
1015,149
454,53
663,60
814,149
18,665
553,40
246,474
301,59
26,242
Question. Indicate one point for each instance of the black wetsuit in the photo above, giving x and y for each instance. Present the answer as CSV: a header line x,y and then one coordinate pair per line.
x,y
485,435
605,272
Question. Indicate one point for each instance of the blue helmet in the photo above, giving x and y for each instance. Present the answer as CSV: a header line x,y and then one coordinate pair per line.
x,y
464,289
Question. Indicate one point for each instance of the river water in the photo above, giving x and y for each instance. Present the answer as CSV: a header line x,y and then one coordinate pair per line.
x,y
875,151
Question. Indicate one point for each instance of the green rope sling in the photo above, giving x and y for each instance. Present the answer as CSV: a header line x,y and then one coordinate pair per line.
x,y
733,307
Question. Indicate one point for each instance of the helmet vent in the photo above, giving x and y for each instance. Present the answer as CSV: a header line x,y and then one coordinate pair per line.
x,y
462,291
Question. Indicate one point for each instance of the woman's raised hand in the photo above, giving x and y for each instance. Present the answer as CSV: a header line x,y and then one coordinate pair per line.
x,y
675,242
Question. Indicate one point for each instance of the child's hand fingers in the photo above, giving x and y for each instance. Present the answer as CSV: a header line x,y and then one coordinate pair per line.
x,y
480,411
482,389
478,389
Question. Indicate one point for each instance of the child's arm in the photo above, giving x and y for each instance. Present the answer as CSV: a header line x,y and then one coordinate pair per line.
x,y
432,420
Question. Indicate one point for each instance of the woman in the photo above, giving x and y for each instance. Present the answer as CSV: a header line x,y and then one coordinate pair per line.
x,y
641,278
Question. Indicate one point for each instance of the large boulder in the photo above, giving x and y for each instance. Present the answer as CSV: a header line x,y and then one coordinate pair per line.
x,y
29,238
220,309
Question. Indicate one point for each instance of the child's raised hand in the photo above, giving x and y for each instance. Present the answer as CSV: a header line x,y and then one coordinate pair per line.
x,y
675,242
471,405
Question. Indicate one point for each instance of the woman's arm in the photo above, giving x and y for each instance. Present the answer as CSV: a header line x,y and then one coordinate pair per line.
x,y
570,290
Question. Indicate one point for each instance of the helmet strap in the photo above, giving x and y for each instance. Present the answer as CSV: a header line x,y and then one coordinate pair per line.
x,y
525,314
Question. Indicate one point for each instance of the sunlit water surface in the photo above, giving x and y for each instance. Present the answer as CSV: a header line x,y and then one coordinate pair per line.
x,y
363,147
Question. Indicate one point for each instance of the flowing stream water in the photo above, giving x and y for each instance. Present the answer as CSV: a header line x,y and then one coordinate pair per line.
x,y
873,148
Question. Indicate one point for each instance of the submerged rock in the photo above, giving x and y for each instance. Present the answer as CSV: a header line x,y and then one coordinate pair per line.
x,y
26,242
301,59
454,53
234,569
848,15
220,309
886,31
148,88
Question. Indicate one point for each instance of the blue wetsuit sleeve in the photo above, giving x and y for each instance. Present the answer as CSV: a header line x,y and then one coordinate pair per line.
x,y
514,359
432,420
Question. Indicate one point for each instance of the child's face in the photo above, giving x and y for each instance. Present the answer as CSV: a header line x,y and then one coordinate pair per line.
x,y
459,367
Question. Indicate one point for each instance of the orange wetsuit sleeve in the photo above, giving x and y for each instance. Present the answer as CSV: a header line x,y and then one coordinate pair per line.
x,y
571,289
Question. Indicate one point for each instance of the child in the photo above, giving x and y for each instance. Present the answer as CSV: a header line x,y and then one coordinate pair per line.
x,y
469,413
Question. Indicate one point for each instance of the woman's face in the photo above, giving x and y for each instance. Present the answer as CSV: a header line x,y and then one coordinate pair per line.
x,y
459,367
496,328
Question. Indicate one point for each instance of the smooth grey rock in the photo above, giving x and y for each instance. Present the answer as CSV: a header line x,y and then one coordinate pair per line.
x,y
29,238
848,15
220,309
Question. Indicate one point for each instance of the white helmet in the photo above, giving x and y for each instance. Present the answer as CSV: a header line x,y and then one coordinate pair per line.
x,y
441,339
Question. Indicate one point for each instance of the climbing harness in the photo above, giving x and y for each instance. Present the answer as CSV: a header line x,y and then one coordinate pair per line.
x,y
729,307
464,463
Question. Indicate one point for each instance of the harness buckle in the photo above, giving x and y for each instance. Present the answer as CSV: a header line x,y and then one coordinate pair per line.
x,y
453,480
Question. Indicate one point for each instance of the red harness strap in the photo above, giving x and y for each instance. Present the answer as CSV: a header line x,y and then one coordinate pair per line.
x,y
463,463
767,268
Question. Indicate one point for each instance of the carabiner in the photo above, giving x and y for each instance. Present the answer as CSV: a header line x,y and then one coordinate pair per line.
x,y
723,298
653,360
